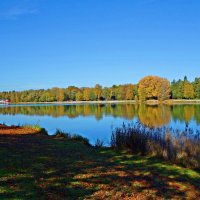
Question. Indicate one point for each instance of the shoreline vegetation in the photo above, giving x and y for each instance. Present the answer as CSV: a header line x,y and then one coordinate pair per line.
x,y
178,147
39,166
150,88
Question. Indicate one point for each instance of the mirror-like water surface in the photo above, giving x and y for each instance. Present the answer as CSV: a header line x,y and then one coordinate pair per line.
x,y
98,120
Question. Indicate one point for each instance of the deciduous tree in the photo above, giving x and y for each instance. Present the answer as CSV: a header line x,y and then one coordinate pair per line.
x,y
154,87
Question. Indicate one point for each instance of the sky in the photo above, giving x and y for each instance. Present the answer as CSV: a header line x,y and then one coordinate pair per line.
x,y
47,43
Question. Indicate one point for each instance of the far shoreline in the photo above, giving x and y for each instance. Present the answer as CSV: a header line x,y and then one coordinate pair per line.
x,y
148,102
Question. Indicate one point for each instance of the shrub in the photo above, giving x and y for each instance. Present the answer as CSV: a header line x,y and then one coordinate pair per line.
x,y
81,139
61,134
72,137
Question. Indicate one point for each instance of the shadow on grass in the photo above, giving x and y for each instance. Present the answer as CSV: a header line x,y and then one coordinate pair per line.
x,y
39,167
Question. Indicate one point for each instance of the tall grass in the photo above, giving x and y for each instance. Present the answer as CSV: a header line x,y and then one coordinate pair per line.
x,y
181,147
99,143
37,128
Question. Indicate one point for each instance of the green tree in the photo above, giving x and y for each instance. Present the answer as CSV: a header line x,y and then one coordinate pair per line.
x,y
177,89
71,92
79,96
196,86
188,92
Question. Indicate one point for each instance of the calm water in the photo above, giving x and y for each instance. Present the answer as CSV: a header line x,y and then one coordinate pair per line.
x,y
98,120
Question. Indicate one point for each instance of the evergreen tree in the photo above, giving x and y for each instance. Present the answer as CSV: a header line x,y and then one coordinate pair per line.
x,y
177,89
196,86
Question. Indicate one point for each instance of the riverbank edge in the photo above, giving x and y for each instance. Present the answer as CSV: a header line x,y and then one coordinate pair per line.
x,y
13,130
148,102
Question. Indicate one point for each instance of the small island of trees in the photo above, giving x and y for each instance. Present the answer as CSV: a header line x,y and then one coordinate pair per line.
x,y
148,88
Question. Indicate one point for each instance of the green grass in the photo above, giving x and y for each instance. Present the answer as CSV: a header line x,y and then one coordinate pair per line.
x,y
35,127
43,167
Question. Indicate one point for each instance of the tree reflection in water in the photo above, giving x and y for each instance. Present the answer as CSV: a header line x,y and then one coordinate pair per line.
x,y
152,116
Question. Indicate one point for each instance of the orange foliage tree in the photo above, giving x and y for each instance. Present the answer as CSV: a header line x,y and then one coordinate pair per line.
x,y
154,87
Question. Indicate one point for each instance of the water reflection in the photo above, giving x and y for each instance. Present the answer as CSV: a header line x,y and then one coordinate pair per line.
x,y
153,116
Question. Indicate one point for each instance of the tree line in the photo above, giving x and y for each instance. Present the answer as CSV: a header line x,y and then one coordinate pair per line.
x,y
149,87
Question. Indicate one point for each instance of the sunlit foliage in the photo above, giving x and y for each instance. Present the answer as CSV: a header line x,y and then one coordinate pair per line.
x,y
150,87
154,87
188,92
196,85
184,89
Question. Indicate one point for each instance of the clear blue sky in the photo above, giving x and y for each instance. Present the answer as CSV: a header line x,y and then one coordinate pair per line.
x,y
46,43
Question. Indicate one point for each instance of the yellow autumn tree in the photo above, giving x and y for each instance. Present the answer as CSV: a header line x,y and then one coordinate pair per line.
x,y
188,90
154,87
98,91
129,92
86,94
60,94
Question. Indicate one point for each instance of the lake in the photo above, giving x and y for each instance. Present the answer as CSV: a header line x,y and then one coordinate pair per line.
x,y
98,120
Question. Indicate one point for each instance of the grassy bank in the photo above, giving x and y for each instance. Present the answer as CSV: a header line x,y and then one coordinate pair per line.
x,y
43,167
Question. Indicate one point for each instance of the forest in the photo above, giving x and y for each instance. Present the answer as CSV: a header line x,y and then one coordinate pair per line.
x,y
149,87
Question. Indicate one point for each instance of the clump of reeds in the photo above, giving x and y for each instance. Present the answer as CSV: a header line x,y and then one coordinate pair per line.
x,y
99,143
181,147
